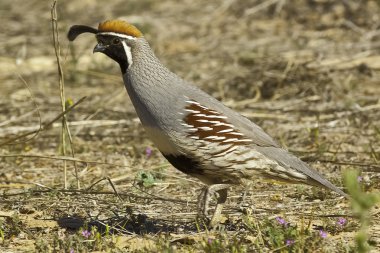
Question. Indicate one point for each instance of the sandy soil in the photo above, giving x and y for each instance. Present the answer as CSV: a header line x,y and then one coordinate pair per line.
x,y
308,72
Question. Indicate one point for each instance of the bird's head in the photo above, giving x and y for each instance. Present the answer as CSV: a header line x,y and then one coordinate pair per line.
x,y
116,39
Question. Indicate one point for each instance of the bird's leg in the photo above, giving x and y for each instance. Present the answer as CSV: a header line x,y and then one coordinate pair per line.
x,y
221,199
204,200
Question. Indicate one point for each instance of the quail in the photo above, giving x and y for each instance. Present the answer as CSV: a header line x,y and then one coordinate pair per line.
x,y
196,133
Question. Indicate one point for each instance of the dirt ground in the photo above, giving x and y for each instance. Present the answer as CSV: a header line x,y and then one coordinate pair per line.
x,y
306,71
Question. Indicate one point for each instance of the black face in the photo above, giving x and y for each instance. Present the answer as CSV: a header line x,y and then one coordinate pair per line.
x,y
112,47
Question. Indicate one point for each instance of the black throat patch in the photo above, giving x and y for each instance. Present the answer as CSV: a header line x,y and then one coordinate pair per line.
x,y
115,51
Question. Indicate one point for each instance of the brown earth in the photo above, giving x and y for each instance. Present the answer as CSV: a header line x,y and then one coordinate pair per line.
x,y
308,72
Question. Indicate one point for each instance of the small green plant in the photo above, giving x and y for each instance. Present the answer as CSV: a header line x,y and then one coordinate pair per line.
x,y
12,226
281,236
314,134
221,243
280,232
149,178
145,179
361,204
41,245
85,240
161,244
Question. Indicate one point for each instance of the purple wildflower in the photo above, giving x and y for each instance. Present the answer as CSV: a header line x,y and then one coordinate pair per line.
x,y
289,242
72,251
86,233
359,179
341,221
148,152
209,240
282,221
322,233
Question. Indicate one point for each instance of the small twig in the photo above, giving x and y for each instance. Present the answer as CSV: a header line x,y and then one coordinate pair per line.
x,y
43,186
63,113
4,123
62,158
96,182
78,124
371,167
125,231
65,127
57,50
71,159
67,191
44,126
111,183
152,195
259,7
114,188
39,118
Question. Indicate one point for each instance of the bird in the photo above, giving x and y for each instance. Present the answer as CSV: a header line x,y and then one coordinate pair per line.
x,y
195,132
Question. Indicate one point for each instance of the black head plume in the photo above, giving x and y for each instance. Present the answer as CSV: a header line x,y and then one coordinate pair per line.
x,y
76,30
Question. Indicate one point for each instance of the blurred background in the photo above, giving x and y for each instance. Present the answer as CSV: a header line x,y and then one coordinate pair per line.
x,y
307,71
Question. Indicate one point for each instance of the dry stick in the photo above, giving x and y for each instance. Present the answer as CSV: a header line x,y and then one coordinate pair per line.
x,y
96,182
61,83
114,188
79,124
73,154
44,126
372,167
63,158
130,195
38,112
72,159
111,183
65,127
259,7
25,115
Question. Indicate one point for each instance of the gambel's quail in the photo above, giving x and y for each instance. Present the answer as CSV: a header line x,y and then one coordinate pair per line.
x,y
196,133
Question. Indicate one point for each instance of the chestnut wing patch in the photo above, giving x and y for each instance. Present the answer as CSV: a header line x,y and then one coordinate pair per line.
x,y
209,125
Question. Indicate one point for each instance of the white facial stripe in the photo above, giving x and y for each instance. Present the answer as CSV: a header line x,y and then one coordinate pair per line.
x,y
128,51
118,35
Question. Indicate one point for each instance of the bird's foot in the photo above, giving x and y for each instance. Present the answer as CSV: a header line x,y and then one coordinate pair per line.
x,y
204,202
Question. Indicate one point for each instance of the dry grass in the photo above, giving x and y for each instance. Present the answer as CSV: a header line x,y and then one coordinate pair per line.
x,y
308,72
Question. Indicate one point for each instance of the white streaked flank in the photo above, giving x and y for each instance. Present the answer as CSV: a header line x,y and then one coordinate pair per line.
x,y
211,137
203,120
231,140
224,124
219,138
186,125
226,131
236,133
245,140
192,102
206,128
216,116
226,151
192,111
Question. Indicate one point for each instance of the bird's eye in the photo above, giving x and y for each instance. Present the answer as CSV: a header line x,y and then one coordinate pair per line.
x,y
115,41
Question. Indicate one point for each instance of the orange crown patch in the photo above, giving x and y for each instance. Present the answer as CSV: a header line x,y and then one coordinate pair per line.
x,y
119,26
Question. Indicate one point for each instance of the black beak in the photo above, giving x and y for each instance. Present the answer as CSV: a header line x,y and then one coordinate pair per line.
x,y
100,48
